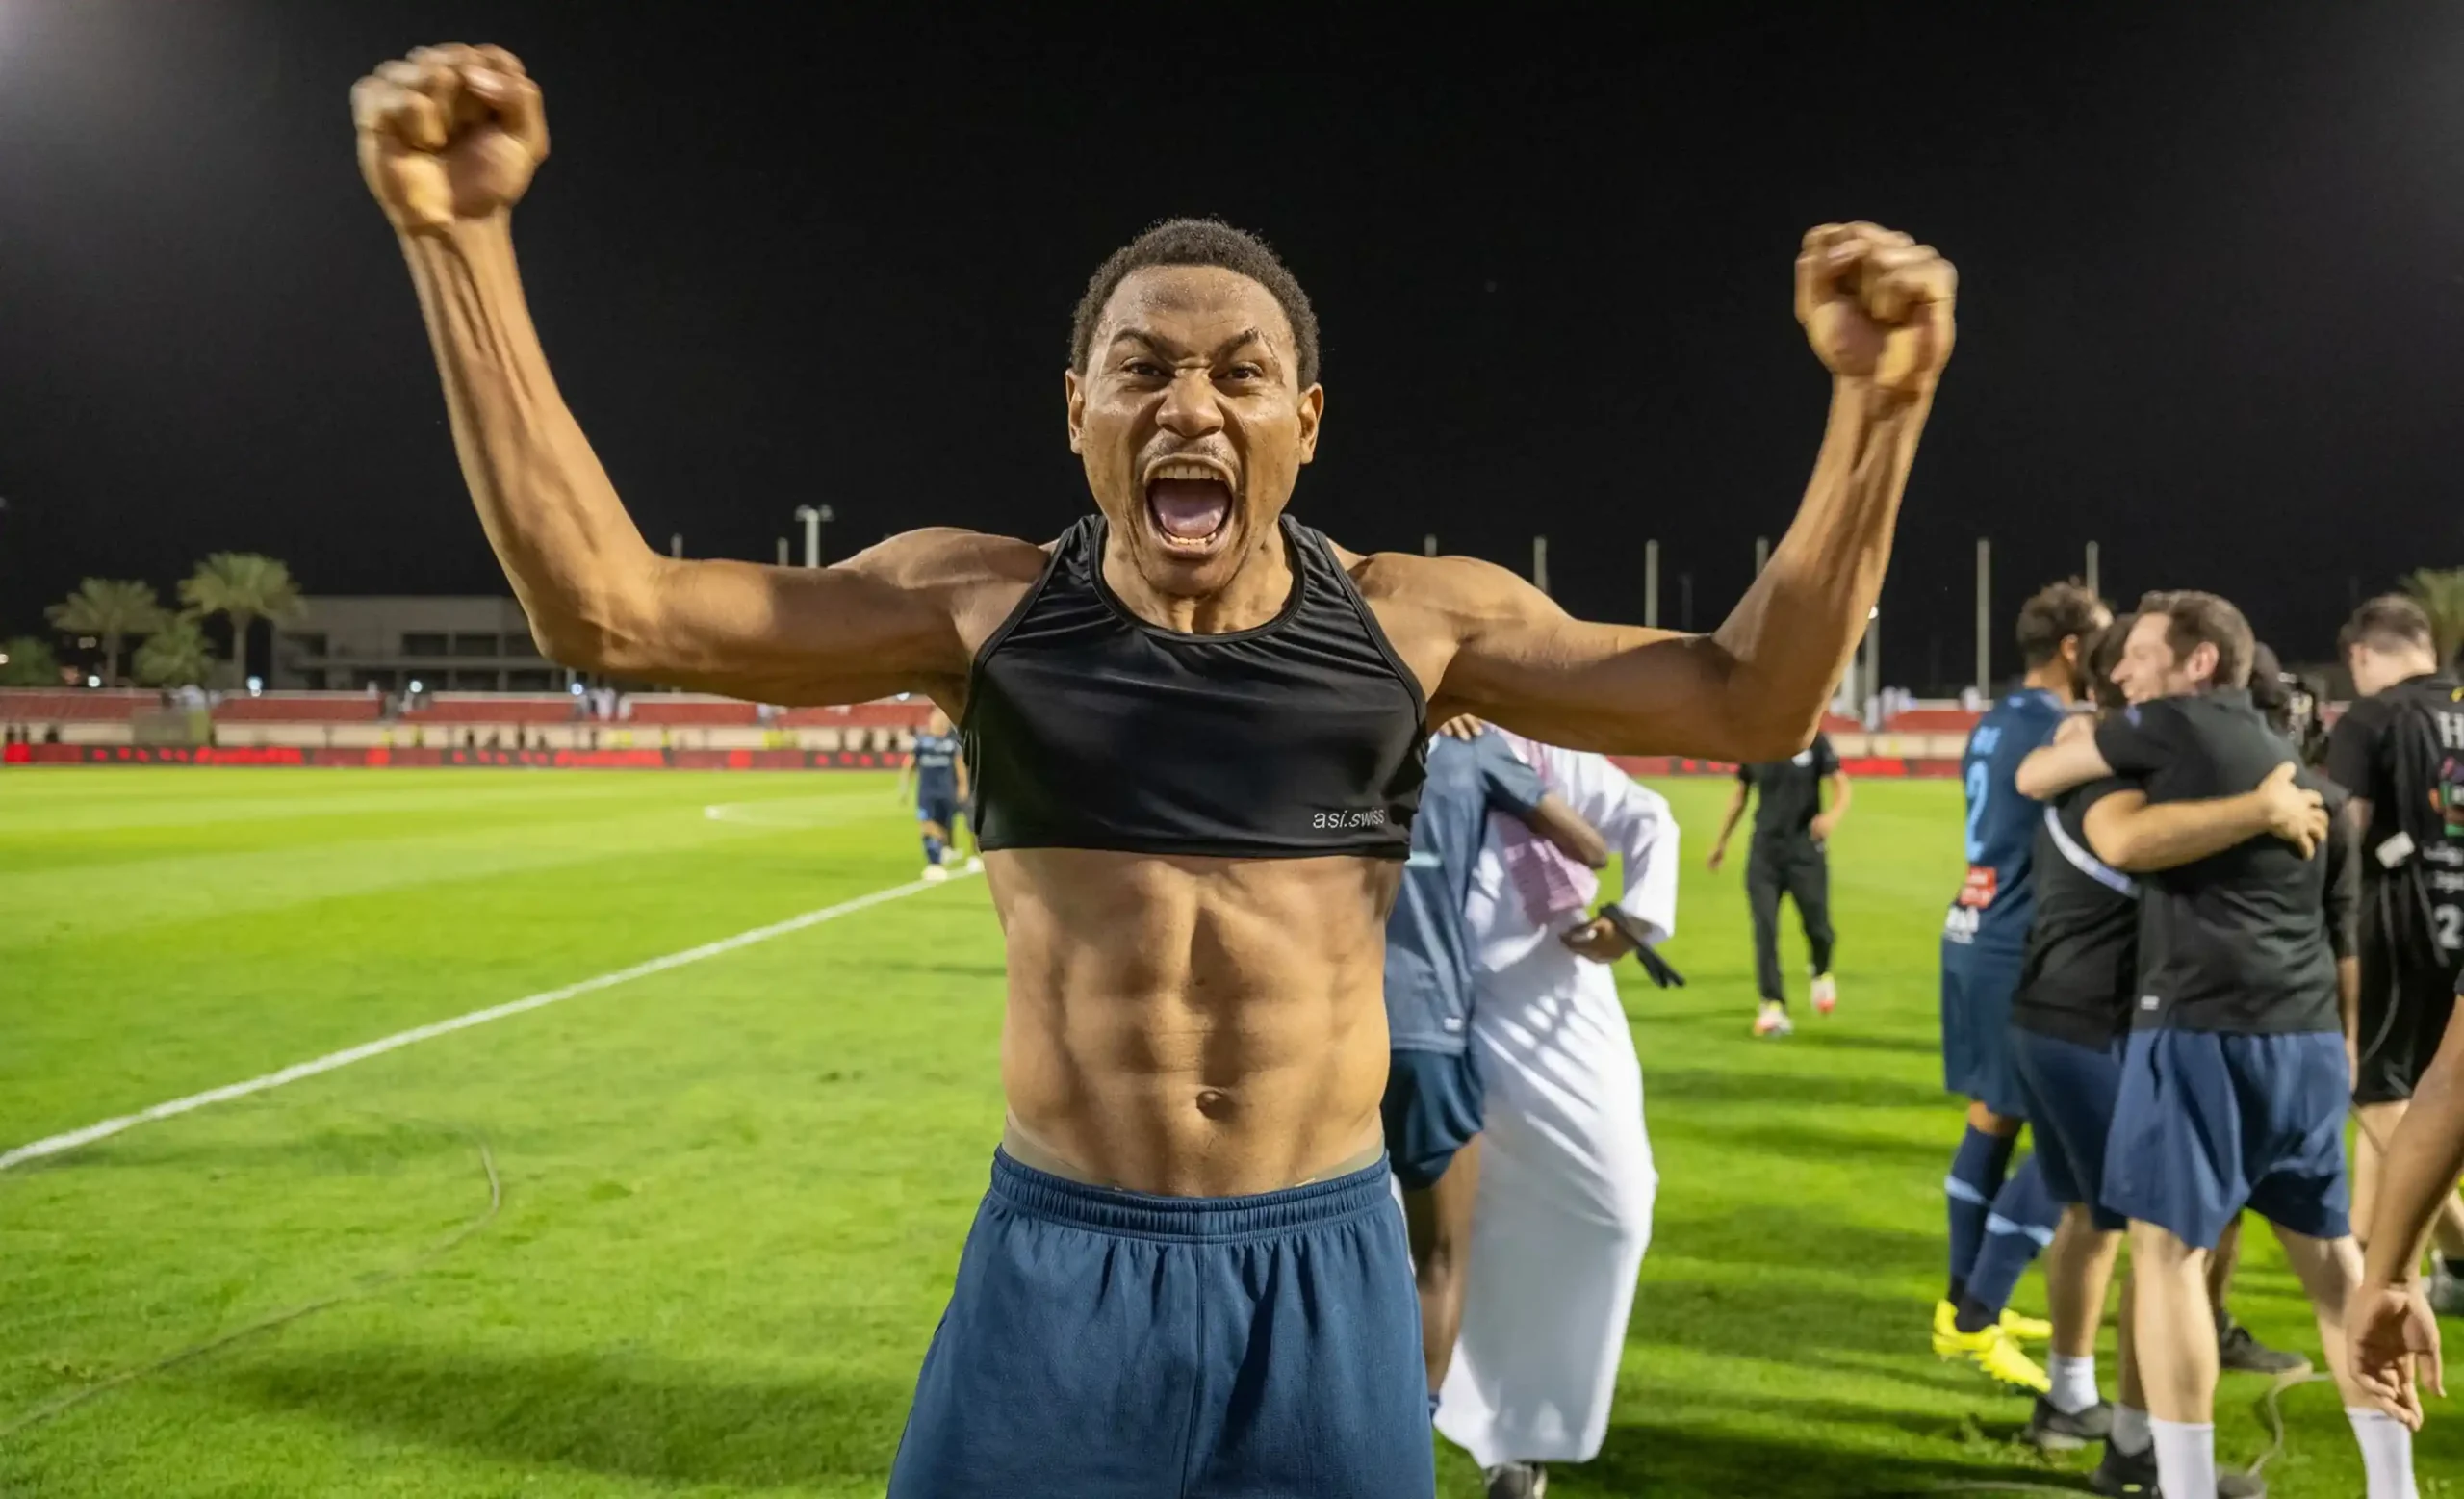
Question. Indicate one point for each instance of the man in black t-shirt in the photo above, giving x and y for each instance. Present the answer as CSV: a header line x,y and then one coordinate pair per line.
x,y
1787,857
2412,895
2235,1081
2070,1023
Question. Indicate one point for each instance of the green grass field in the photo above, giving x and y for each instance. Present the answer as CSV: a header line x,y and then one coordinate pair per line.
x,y
732,1193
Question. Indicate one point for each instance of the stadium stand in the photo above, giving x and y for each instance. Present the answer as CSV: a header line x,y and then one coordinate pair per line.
x,y
300,707
678,727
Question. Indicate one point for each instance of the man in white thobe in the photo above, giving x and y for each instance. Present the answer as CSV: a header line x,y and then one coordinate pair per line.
x,y
1564,1210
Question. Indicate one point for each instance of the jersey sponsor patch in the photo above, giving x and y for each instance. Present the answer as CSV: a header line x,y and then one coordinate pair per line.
x,y
1978,889
1368,817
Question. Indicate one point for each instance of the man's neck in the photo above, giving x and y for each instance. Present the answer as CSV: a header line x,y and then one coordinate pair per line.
x,y
2054,677
2414,670
1255,595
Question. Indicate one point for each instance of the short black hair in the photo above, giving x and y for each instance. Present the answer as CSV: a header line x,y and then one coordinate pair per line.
x,y
2270,692
1200,241
2059,611
2390,622
2101,659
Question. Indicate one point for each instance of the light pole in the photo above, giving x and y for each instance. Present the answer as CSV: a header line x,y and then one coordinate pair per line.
x,y
1873,692
814,517
1984,616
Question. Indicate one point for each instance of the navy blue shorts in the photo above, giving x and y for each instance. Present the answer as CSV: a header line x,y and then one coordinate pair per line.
x,y
940,810
1977,991
1116,1345
1433,1107
2208,1123
2069,1091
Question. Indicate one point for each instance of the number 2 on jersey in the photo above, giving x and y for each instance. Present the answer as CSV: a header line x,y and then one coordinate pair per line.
x,y
1980,785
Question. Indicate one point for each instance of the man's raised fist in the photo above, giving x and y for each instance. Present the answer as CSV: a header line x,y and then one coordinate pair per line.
x,y
1877,306
448,134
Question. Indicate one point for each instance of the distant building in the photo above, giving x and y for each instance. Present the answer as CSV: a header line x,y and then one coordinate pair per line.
x,y
446,644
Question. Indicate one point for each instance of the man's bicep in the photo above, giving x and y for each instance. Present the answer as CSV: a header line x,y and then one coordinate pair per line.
x,y
1526,663
2057,767
2106,820
893,618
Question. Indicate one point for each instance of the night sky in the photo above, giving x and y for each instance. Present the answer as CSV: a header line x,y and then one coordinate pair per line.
x,y
2212,310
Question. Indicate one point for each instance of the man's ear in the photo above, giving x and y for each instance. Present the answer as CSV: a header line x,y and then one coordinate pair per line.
x,y
2202,663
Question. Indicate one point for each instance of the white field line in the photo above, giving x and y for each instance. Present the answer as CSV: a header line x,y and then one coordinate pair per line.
x,y
794,812
59,1144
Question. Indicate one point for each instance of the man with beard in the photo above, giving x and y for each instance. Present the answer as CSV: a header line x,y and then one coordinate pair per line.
x,y
2235,1078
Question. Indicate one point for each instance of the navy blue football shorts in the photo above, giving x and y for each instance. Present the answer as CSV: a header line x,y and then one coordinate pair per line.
x,y
2209,1123
1118,1345
1433,1107
1977,991
2069,1091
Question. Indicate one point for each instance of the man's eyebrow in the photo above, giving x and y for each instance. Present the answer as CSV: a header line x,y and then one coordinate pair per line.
x,y
1141,336
1155,344
1244,336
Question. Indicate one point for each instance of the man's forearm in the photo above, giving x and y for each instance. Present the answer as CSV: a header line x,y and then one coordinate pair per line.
x,y
2166,836
2423,1161
576,560
1569,832
1790,636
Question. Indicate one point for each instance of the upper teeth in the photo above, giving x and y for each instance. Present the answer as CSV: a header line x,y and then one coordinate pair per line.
x,y
1183,470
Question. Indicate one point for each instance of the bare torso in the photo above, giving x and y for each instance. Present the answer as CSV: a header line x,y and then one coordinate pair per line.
x,y
1189,1026
1194,1026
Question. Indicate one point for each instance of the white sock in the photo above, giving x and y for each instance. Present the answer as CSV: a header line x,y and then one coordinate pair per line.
x,y
2131,1436
2074,1383
2386,1452
2185,1458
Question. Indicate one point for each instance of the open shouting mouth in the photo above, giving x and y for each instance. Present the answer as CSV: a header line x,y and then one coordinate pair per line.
x,y
1188,503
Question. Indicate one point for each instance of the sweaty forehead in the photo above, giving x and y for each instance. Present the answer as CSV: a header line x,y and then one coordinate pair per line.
x,y
1195,306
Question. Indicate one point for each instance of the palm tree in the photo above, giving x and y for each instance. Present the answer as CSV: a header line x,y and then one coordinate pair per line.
x,y
2440,591
245,588
113,609
26,661
175,656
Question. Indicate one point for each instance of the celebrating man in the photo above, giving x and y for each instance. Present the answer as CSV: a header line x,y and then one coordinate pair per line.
x,y
1195,729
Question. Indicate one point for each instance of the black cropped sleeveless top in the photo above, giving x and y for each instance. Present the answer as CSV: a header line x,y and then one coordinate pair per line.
x,y
1088,727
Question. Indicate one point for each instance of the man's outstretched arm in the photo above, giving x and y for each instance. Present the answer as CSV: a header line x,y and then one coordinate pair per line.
x,y
1878,309
2394,1337
449,139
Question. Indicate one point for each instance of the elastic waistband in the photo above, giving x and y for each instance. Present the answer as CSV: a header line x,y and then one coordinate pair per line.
x,y
1193,1220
